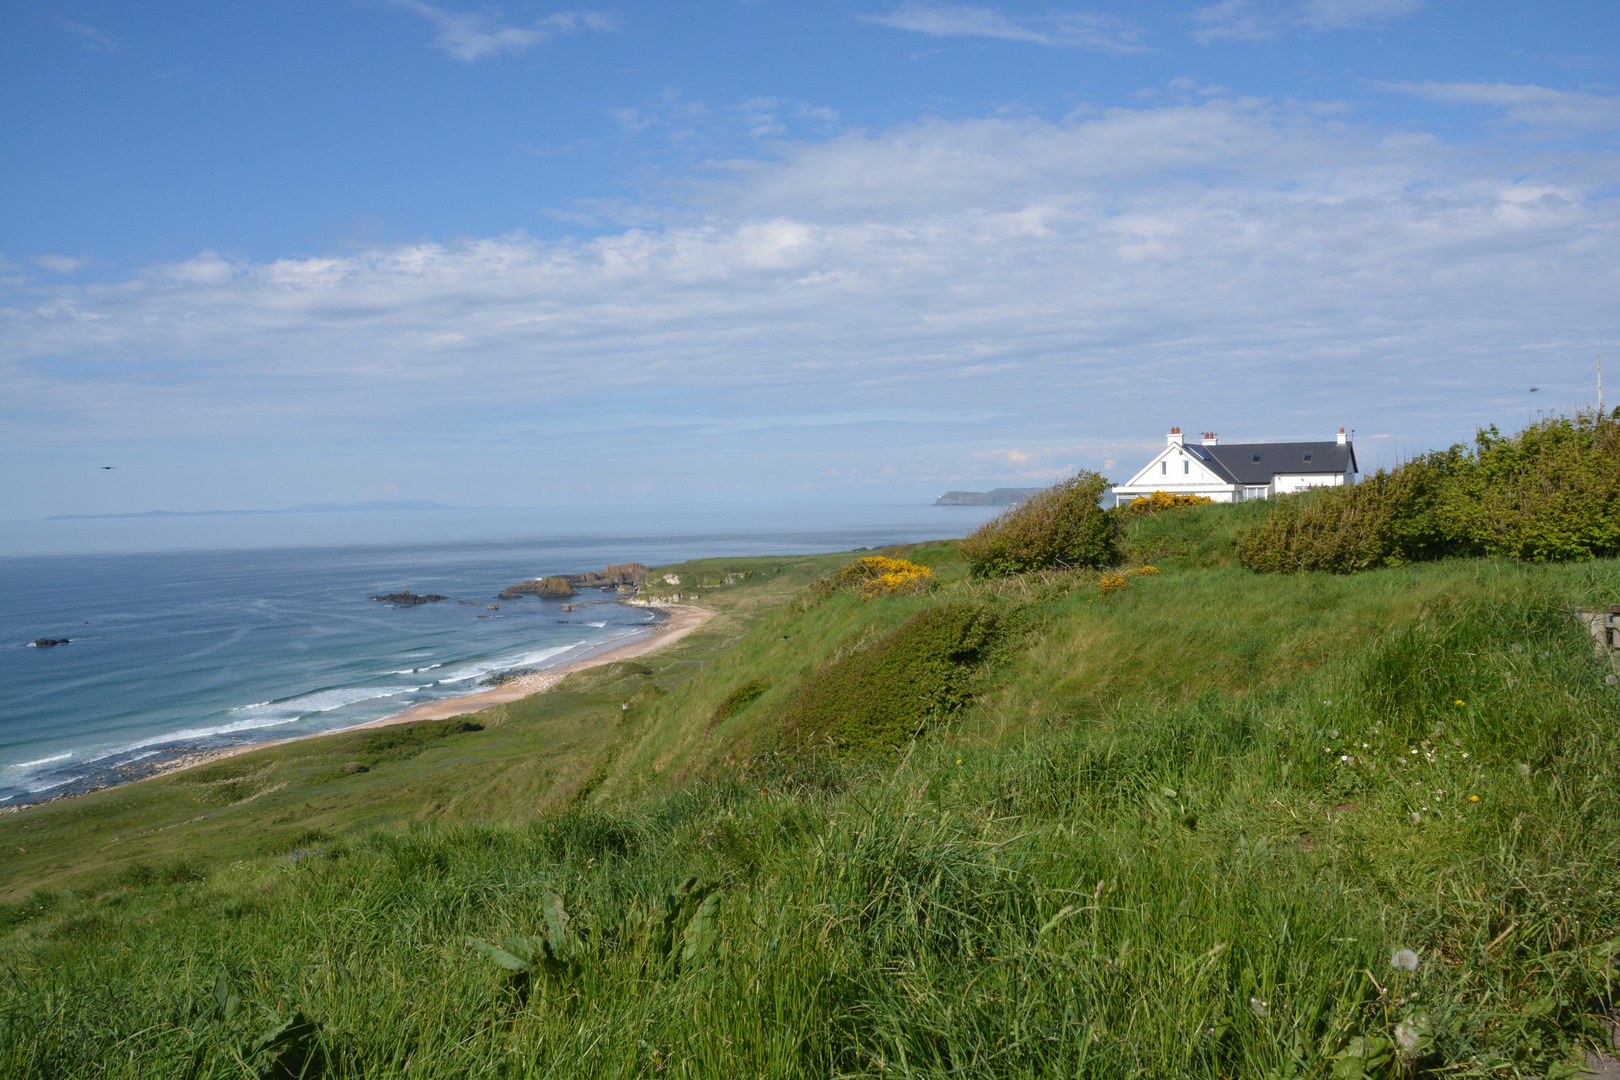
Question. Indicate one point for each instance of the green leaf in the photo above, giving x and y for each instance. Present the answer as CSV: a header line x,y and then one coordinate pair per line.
x,y
562,946
505,959
702,930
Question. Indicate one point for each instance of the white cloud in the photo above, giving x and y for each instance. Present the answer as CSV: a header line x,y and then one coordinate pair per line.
x,y
1075,30
1259,20
59,264
1538,106
88,36
1255,268
1342,14
470,36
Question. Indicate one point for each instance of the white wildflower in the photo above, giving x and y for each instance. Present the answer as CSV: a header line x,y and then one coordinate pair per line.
x,y
1406,1034
1261,1009
1404,959
1416,817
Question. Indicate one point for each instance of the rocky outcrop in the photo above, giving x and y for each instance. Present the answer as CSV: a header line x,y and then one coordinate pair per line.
x,y
47,642
632,573
551,588
408,598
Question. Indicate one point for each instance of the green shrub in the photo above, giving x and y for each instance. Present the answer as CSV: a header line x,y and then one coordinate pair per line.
x,y
408,740
1063,526
1549,493
738,700
879,697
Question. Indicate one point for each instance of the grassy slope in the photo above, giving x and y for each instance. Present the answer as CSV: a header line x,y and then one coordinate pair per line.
x,y
1144,827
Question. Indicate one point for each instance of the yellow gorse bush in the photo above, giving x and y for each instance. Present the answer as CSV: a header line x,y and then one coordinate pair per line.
x,y
1163,500
1109,584
877,575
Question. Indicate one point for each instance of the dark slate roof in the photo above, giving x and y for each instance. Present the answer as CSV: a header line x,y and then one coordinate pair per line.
x,y
1237,460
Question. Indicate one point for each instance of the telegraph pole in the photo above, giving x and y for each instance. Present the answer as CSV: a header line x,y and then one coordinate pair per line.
x,y
1600,386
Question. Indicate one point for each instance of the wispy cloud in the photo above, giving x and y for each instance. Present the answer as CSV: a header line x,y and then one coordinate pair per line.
x,y
470,36
1538,106
1070,29
1259,20
87,35
58,264
1275,269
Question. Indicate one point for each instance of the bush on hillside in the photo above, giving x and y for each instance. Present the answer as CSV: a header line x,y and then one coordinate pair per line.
x,y
879,697
1549,493
1064,526
1160,501
877,575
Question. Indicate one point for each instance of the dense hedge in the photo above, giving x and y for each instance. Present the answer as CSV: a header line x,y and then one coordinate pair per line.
x,y
879,697
1063,526
1549,493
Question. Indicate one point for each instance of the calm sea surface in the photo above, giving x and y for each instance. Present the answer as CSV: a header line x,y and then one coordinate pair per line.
x,y
177,651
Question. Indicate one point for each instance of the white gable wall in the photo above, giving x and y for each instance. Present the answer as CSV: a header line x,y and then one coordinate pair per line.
x,y
1178,472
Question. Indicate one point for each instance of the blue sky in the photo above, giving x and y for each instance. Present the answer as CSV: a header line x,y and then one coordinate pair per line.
x,y
513,253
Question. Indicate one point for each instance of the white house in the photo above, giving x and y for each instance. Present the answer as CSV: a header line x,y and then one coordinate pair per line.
x,y
1237,472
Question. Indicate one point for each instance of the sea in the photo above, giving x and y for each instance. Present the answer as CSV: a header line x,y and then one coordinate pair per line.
x,y
192,635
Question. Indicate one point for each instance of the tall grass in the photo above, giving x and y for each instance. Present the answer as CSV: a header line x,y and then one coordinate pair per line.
x,y
1208,886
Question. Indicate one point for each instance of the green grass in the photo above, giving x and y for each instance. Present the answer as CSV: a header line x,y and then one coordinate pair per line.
x,y
1140,851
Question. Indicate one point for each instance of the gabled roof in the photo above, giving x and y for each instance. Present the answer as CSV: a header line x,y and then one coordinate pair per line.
x,y
1257,463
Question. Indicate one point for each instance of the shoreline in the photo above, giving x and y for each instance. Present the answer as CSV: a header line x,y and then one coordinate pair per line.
x,y
683,619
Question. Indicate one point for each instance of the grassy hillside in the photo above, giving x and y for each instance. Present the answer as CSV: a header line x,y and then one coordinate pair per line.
x,y
1180,831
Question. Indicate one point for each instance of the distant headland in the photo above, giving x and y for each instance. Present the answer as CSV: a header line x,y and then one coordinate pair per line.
x,y
994,497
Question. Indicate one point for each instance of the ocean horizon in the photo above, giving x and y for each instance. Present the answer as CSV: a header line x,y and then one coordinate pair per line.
x,y
210,644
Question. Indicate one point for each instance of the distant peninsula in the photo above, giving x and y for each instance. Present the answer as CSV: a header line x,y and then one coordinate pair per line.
x,y
995,497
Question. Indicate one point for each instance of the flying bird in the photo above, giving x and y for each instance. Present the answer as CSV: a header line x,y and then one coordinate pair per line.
x,y
1533,389
109,466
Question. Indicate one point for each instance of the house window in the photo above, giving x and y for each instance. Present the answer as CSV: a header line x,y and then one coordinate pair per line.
x,y
1307,457
1186,466
1164,468
1256,457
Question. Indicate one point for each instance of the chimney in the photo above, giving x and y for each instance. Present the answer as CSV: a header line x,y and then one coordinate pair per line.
x,y
1342,439
1175,436
1210,439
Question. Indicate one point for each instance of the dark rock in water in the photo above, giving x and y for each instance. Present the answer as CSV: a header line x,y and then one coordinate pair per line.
x,y
551,588
407,598
47,642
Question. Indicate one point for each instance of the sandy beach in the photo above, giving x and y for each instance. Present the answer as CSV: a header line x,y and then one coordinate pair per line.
x,y
682,621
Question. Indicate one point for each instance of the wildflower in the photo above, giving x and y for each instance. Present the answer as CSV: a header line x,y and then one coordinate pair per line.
x,y
1473,798
1406,1034
1416,817
1333,734
959,761
1524,769
1460,703
1404,960
1261,1009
